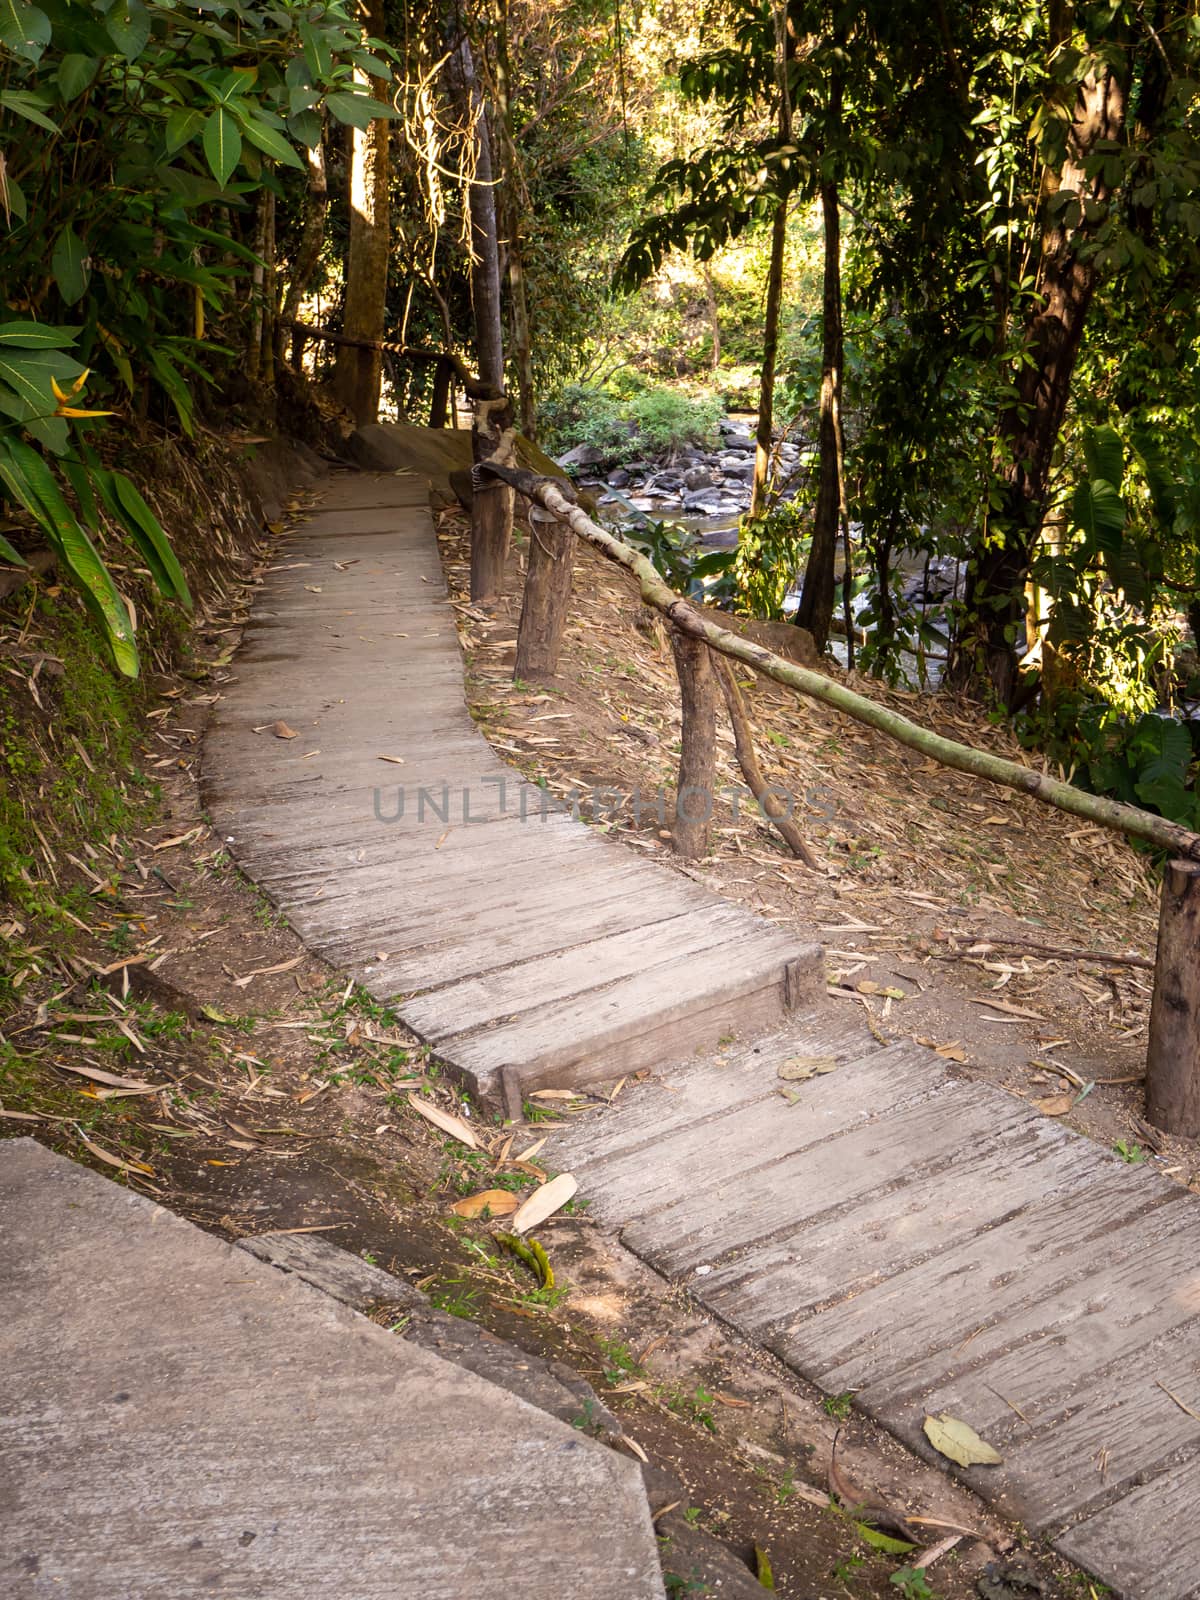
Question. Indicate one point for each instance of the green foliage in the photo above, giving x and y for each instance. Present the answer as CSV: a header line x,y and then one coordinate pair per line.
x,y
650,421
912,1583
134,136
770,555
673,549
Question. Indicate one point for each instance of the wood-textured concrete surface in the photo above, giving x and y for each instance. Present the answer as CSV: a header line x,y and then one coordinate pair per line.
x,y
510,935
931,1244
182,1421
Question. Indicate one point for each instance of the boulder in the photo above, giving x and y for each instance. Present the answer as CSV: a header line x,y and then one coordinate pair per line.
x,y
583,455
699,477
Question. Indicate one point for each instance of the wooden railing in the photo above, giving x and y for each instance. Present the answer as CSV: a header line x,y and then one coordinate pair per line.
x,y
1173,1056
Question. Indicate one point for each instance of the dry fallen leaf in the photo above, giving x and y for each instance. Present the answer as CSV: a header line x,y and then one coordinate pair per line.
x,y
282,731
496,1202
797,1068
958,1441
1055,1105
865,986
953,1051
97,1076
454,1126
544,1202
1009,1009
397,761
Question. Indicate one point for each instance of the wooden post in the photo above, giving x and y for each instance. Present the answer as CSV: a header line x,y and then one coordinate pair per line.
x,y
1173,1056
547,596
440,403
491,507
695,799
772,807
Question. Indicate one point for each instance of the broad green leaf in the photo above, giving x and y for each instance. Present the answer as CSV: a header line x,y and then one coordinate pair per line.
x,y
371,65
148,534
129,28
25,103
24,29
1099,513
317,55
1160,480
305,128
268,141
68,265
37,335
1164,747
359,110
1105,455
75,74
958,1441
75,550
222,145
10,554
183,124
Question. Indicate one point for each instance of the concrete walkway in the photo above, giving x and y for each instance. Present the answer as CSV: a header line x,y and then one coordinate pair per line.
x,y
183,1420
527,948
900,1232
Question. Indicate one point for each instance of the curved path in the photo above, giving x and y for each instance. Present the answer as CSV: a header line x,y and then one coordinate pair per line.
x,y
890,1228
526,948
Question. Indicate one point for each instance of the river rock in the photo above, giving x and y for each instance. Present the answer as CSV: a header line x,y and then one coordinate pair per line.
x,y
618,478
699,478
583,455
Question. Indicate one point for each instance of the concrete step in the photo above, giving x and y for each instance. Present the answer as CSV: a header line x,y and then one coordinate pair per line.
x,y
185,1420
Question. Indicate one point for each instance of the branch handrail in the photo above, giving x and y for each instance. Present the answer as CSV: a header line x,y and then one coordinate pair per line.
x,y
413,352
557,496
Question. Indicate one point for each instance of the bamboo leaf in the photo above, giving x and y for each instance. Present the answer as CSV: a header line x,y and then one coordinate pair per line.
x,y
36,335
75,549
148,534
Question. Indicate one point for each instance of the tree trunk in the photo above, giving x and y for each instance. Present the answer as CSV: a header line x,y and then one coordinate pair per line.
x,y
547,597
358,375
815,611
439,404
770,353
694,799
985,652
492,503
485,240
515,202
491,430
312,237
270,298
1173,1055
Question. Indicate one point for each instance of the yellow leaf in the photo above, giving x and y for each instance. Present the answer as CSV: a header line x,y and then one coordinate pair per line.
x,y
958,1441
74,411
497,1202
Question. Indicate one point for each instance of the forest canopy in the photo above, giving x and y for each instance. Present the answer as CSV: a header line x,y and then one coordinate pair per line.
x,y
943,260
